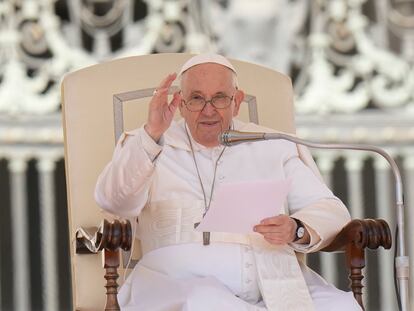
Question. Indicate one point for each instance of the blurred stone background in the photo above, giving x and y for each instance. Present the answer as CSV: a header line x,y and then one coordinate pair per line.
x,y
352,67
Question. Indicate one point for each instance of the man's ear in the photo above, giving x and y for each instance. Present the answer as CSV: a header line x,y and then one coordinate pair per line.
x,y
238,99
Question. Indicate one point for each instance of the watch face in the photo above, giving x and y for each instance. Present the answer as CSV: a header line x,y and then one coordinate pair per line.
x,y
300,232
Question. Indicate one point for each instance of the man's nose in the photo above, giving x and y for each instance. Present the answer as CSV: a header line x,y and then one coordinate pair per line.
x,y
209,109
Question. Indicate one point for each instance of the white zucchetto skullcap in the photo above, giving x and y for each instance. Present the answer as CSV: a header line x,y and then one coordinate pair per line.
x,y
206,58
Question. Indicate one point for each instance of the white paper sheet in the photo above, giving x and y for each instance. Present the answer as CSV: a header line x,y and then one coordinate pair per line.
x,y
238,207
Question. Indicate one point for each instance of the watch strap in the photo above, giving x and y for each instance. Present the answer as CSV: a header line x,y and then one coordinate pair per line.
x,y
299,225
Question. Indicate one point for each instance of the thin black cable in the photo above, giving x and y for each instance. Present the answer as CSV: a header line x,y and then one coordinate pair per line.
x,y
397,290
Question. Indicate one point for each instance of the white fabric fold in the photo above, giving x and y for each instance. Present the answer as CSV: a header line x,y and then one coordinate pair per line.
x,y
158,182
278,272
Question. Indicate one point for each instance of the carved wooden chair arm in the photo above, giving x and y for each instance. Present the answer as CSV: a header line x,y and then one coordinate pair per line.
x,y
353,239
109,237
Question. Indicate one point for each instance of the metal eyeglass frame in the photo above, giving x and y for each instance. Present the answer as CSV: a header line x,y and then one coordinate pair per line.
x,y
211,101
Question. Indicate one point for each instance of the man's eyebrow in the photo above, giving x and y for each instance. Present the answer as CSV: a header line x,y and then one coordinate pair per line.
x,y
196,93
201,93
220,93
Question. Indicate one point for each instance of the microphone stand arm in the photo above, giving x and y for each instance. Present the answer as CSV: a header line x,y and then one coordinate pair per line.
x,y
230,138
401,260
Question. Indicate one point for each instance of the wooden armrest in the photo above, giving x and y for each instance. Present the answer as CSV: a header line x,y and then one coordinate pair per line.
x,y
109,237
357,235
362,233
352,239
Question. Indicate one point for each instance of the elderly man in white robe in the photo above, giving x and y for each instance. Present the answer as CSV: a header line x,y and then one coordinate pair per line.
x,y
165,173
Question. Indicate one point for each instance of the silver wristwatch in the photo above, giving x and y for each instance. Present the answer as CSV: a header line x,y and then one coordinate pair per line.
x,y
300,230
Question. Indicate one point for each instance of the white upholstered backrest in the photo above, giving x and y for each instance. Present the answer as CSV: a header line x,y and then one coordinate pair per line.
x,y
99,99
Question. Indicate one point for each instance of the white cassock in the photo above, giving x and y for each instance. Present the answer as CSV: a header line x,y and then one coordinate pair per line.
x,y
159,184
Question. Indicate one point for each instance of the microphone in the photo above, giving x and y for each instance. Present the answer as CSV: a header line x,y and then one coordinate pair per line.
x,y
232,137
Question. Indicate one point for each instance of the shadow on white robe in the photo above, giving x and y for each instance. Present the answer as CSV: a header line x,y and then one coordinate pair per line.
x,y
146,289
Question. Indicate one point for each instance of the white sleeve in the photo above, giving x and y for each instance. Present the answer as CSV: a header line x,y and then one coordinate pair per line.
x,y
122,187
310,201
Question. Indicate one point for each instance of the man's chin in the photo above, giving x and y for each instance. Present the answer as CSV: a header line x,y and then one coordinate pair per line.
x,y
207,135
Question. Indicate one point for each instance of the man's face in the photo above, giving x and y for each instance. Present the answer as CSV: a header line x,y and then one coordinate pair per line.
x,y
209,80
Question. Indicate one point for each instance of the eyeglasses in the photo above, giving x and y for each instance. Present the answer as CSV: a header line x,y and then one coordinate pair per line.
x,y
197,102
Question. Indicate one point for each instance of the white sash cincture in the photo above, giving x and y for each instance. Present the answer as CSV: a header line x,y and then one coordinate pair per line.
x,y
280,278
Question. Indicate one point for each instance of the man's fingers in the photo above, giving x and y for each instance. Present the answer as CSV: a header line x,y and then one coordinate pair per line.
x,y
161,91
164,82
267,228
276,220
162,94
161,111
165,85
175,102
277,235
168,80
159,99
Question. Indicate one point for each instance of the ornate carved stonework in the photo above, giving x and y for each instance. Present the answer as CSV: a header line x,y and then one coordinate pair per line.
x,y
351,62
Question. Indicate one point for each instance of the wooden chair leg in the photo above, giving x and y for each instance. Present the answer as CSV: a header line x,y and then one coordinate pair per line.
x,y
354,238
109,238
111,265
356,262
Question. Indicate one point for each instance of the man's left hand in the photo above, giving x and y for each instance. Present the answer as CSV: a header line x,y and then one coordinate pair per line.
x,y
277,230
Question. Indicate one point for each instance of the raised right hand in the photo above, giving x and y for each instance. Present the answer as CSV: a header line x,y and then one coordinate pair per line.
x,y
161,112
